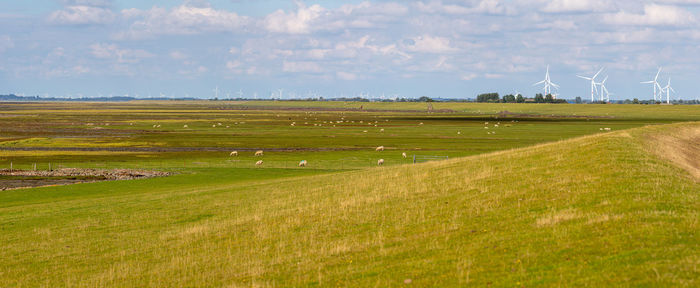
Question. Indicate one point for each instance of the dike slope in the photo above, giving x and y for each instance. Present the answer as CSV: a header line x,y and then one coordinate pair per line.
x,y
601,210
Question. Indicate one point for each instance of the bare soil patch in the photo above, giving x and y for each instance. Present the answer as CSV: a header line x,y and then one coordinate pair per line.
x,y
13,179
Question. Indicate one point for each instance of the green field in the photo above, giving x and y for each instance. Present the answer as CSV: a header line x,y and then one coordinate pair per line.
x,y
532,195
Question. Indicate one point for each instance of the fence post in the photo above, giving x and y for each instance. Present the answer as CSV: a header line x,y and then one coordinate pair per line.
x,y
414,158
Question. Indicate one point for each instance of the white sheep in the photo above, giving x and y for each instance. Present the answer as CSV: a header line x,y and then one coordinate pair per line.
x,y
381,130
421,123
185,126
380,162
459,133
302,163
379,149
607,129
259,153
234,153
403,154
260,162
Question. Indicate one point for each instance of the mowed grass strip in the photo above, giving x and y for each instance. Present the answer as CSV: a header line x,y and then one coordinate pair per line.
x,y
593,211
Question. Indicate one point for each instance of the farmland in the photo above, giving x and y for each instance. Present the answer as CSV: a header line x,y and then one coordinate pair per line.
x,y
531,194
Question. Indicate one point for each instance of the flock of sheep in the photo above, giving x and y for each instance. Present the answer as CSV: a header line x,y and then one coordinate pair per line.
x,y
303,163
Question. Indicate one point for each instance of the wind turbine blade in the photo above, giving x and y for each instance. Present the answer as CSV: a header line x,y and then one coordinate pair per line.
x,y
596,74
538,83
657,74
647,82
674,91
582,77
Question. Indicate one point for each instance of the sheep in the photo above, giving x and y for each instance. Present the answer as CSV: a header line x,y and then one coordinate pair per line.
x,y
379,149
403,154
234,153
302,163
213,126
607,129
459,132
380,162
421,123
185,126
260,162
259,153
381,130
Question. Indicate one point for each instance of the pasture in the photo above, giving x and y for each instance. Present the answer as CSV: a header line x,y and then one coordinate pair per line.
x,y
532,195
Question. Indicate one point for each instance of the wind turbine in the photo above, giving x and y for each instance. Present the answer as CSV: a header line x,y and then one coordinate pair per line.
x,y
604,90
594,90
547,83
656,84
280,92
216,92
240,93
668,90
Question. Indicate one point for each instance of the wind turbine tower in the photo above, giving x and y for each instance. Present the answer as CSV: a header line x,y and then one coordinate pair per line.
x,y
668,90
594,89
654,83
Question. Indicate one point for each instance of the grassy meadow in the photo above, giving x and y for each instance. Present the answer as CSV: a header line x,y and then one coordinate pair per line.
x,y
535,196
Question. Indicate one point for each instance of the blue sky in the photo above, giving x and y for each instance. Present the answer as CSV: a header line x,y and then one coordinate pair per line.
x,y
450,49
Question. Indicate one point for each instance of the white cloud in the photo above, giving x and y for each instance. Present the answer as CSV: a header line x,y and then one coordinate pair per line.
x,y
346,76
177,55
81,15
568,6
494,7
6,43
112,51
654,15
301,67
298,22
181,20
430,44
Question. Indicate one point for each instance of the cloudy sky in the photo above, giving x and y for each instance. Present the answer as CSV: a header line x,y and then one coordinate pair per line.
x,y
455,49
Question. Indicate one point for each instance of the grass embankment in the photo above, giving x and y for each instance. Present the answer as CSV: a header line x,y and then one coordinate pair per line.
x,y
593,211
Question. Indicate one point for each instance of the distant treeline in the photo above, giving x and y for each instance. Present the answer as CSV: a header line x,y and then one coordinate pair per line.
x,y
483,98
510,98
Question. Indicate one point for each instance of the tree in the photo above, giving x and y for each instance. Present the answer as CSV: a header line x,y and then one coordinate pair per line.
x,y
539,98
520,99
635,101
510,98
549,98
487,97
579,100
425,99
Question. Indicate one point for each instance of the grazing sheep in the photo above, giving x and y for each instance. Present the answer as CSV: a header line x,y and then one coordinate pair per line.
x,y
380,162
381,130
421,123
213,126
403,154
258,163
380,148
365,131
234,153
607,129
302,163
259,153
459,133
154,126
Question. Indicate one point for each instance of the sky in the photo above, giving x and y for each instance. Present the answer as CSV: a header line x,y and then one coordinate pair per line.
x,y
434,48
